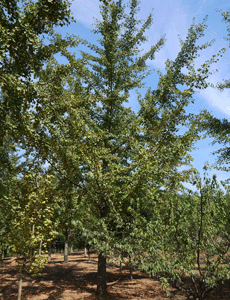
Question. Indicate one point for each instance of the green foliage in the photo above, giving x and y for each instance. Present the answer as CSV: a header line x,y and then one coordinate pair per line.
x,y
8,171
105,1
214,127
219,131
226,18
195,240
23,27
32,206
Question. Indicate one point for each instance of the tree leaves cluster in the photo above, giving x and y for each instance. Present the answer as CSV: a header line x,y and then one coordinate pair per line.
x,y
196,239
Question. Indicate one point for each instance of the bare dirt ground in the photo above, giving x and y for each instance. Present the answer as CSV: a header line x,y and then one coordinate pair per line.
x,y
78,278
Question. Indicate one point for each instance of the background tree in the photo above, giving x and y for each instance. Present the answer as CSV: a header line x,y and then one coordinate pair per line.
x,y
194,230
67,212
23,27
32,202
9,170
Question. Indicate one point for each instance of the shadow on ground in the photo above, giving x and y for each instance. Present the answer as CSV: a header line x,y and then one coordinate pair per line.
x,y
78,279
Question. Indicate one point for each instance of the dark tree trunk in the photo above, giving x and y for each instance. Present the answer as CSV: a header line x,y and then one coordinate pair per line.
x,y
5,252
1,256
88,251
101,280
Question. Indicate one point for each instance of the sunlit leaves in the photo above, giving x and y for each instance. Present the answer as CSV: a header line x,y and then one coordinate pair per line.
x,y
32,207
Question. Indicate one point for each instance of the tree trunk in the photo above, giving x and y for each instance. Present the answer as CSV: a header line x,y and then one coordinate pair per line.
x,y
101,280
49,250
130,268
1,256
101,271
5,252
71,248
88,247
121,262
66,248
20,287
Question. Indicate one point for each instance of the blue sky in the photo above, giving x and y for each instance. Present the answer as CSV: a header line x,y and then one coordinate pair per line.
x,y
173,18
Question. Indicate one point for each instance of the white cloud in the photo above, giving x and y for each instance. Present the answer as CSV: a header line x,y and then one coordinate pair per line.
x,y
218,100
169,18
85,11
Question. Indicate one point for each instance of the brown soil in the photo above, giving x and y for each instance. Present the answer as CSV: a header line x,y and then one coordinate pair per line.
x,y
78,278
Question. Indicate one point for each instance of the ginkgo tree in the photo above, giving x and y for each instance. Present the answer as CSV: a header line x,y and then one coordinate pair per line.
x,y
32,201
81,124
24,24
67,212
23,27
8,170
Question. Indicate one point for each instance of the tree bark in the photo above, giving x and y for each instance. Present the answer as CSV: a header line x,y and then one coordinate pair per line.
x,y
121,262
1,256
88,247
66,248
71,248
20,287
87,252
130,267
101,271
101,280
